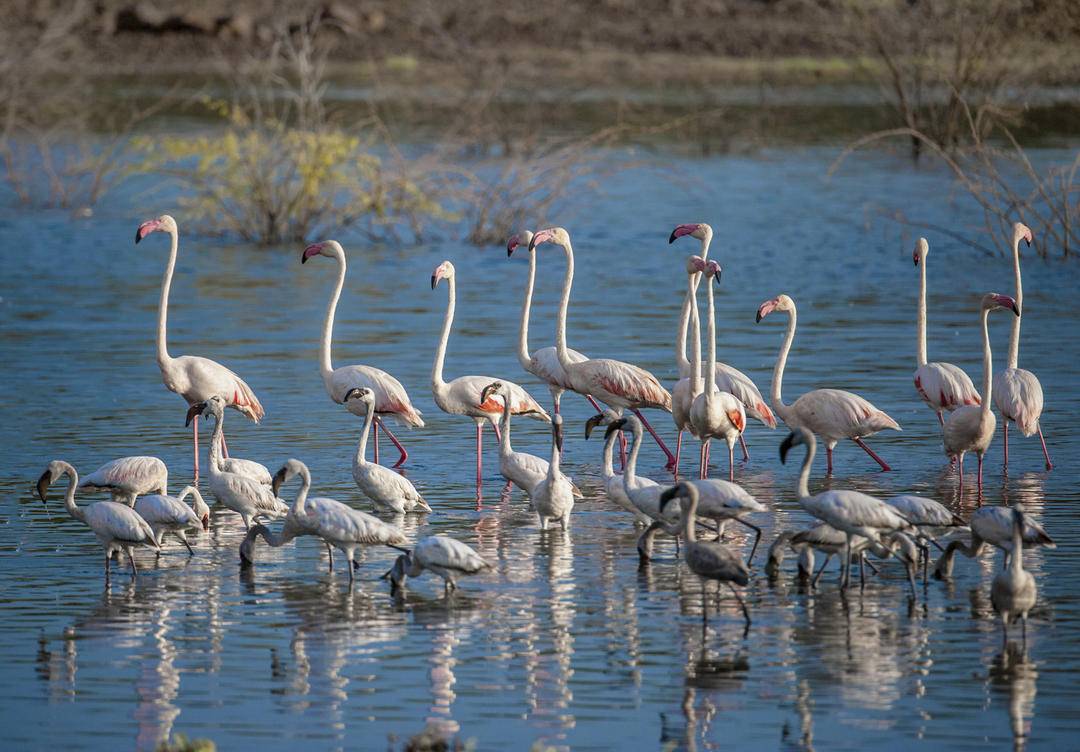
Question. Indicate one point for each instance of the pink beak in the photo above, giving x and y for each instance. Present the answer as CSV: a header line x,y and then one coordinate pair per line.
x,y
1027,235
311,250
541,237
765,309
915,257
1006,302
681,230
436,276
146,228
512,244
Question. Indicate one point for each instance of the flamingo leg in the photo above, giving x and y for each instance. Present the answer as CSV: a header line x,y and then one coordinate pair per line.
x,y
940,419
224,446
479,456
659,442
594,403
757,537
745,451
622,450
703,472
828,460
960,473
1005,443
678,453
1049,466
870,451
195,445
980,457
813,582
330,551
403,454
742,604
731,463
375,440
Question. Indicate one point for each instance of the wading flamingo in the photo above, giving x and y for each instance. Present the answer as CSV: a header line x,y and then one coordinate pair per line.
x,y
852,513
942,386
715,414
390,492
688,387
193,378
617,384
1013,591
553,497
117,526
1018,394
833,414
391,399
707,559
543,363
339,526
992,526
971,428
127,478
462,395
728,379
235,491
169,514
447,557
613,482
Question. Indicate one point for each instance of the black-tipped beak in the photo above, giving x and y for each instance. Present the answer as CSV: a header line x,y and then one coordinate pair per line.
x,y
279,479
205,522
591,424
138,237
303,256
1027,242
193,412
785,447
672,238
1016,308
668,495
617,425
43,486
758,317
351,392
434,281
558,437
716,277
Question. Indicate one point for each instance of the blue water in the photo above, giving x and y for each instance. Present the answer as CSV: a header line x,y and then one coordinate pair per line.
x,y
567,642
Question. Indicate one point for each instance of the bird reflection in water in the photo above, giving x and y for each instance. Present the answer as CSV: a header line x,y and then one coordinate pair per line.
x,y
1012,677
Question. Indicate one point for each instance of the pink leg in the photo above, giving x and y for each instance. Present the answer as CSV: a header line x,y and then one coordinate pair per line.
x,y
1046,454
622,450
498,434
403,455
703,470
731,462
659,442
195,441
594,403
980,474
745,451
479,457
376,441
678,453
828,461
1005,441
940,419
870,451
960,473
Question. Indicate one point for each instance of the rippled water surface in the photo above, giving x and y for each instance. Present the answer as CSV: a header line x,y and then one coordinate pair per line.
x,y
567,642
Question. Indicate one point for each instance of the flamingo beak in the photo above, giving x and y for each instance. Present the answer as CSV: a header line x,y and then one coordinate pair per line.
x,y
541,237
668,495
915,257
717,275
1027,236
558,437
486,392
785,447
194,412
354,391
43,486
512,244
617,425
146,228
681,230
206,521
312,250
278,481
765,309
591,424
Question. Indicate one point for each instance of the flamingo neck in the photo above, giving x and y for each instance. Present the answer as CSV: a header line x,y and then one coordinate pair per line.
x,y
163,357
274,540
326,366
69,496
300,505
553,466
710,374
524,358
689,514
361,448
216,440
682,363
988,364
1014,336
778,370
695,351
921,317
607,468
1016,559
504,426
803,489
630,471
560,326
437,382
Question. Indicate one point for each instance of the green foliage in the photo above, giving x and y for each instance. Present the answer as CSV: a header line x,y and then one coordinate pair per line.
x,y
180,743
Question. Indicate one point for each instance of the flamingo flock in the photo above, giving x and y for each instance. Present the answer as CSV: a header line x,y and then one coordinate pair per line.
x,y
710,400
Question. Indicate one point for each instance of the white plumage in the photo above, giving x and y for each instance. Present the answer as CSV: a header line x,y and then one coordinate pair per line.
x,y
993,526
923,512
1013,591
127,478
447,557
644,493
169,514
553,497
613,482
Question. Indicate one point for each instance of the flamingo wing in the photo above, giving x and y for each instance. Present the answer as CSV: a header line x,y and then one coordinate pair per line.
x,y
723,497
944,386
204,378
391,398
1018,395
248,468
622,384
838,414
449,553
466,391
994,525
739,385
335,521
119,522
158,509
717,561
855,512
137,475
920,510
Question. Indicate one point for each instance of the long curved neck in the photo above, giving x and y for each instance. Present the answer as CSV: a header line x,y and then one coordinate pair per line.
x,y
710,374
682,363
921,319
689,516
300,505
216,440
163,357
988,364
361,448
524,358
1016,559
326,365
274,540
553,466
504,425
630,472
803,490
1014,337
560,327
69,497
778,370
607,468
695,351
437,381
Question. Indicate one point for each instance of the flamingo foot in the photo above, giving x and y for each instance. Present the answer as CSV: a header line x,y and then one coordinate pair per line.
x,y
868,450
1046,454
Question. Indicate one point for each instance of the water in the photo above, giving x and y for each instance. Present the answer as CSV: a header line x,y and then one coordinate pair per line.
x,y
568,642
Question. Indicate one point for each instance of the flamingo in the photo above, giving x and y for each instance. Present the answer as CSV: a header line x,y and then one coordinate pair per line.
x,y
993,526
1013,591
338,525
689,386
193,378
971,428
617,384
553,497
1018,394
127,478
830,541
238,492
932,518
853,513
833,414
390,491
707,559
778,548
462,395
543,363
523,470
713,413
613,483
728,379
942,386
117,526
169,514
445,556
391,399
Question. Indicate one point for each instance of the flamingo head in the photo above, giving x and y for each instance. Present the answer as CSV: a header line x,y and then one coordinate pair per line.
x,y
795,438
698,230
556,235
247,548
600,419
398,573
211,408
54,470
329,248
360,394
445,270
1021,232
713,271
669,494
285,473
615,425
694,265
495,387
992,301
922,248
779,303
517,239
164,223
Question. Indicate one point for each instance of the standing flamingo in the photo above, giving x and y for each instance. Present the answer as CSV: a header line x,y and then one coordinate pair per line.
x,y
193,378
832,414
169,514
715,414
1013,592
993,526
728,379
116,525
462,396
127,478
942,386
543,363
390,396
613,483
971,428
553,497
615,383
445,556
1017,392
688,387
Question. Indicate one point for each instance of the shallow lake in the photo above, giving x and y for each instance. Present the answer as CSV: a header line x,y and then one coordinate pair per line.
x,y
568,642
